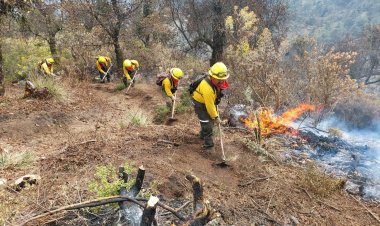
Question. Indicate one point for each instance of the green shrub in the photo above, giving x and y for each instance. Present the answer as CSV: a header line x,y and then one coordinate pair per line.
x,y
21,57
184,103
106,181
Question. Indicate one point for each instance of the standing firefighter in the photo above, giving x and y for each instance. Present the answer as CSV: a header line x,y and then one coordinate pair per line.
x,y
206,96
169,83
46,67
130,68
102,64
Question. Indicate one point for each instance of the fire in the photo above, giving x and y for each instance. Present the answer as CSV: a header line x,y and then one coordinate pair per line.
x,y
270,123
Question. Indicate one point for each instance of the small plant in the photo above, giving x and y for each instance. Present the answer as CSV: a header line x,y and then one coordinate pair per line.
x,y
137,117
19,159
160,113
259,150
107,182
320,183
184,104
120,87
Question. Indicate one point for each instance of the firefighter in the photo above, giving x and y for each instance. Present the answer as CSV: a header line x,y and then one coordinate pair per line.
x,y
169,84
206,97
102,64
130,68
46,67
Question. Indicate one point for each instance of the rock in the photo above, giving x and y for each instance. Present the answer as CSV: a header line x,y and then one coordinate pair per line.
x,y
218,221
352,188
23,181
3,182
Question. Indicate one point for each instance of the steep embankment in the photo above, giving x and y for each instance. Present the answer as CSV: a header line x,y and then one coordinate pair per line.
x,y
70,138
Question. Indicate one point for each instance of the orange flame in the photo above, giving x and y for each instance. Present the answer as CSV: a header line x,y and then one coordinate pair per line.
x,y
270,124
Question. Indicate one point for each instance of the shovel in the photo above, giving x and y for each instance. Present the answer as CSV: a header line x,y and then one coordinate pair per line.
x,y
132,81
222,163
105,75
172,119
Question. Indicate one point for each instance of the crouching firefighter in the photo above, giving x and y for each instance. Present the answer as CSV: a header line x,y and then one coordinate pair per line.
x,y
46,67
206,94
103,65
169,83
130,68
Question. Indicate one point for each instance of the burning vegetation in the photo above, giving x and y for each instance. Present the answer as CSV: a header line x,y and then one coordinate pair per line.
x,y
265,122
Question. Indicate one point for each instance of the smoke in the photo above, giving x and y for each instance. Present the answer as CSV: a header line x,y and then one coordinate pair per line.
x,y
367,160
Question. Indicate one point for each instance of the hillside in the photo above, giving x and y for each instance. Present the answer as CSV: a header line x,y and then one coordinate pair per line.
x,y
70,138
331,20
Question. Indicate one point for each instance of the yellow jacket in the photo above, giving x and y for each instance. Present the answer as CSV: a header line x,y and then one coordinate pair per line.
x,y
100,69
205,94
45,69
167,85
126,73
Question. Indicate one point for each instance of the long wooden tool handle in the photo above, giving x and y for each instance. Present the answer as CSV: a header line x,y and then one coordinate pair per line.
x,y
104,77
221,141
132,81
173,106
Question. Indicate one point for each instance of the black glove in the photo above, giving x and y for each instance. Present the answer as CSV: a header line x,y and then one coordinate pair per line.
x,y
173,90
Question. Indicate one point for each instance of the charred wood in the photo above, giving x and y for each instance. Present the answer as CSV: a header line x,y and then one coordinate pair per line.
x,y
149,213
201,207
32,91
138,183
123,191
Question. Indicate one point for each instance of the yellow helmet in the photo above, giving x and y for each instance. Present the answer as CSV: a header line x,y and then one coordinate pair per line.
x,y
219,71
102,59
50,60
176,73
127,63
136,63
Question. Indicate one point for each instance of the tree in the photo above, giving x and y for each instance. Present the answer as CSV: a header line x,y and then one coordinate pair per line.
x,y
202,23
6,8
112,16
44,20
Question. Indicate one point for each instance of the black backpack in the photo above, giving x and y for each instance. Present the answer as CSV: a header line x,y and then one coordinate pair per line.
x,y
195,83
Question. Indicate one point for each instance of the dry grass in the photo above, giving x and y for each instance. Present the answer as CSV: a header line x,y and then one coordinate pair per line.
x,y
17,159
136,117
321,184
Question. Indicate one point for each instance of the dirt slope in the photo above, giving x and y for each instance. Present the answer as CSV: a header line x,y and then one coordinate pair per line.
x,y
71,137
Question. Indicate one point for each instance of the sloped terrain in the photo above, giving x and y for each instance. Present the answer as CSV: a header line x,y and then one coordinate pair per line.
x,y
71,137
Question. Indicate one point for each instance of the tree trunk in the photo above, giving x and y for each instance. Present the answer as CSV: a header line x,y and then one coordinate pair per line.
x,y
53,48
219,33
118,52
2,89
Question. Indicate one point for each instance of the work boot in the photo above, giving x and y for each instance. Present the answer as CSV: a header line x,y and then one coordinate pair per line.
x,y
209,143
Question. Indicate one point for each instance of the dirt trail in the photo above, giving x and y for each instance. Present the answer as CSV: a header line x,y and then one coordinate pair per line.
x,y
71,138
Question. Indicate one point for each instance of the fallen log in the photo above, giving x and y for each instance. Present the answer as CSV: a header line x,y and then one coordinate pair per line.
x,y
100,202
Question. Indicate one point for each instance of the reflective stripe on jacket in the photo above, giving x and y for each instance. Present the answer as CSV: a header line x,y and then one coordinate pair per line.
x,y
206,94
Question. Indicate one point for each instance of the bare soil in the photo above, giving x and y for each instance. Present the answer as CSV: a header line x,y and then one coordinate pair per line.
x,y
71,137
